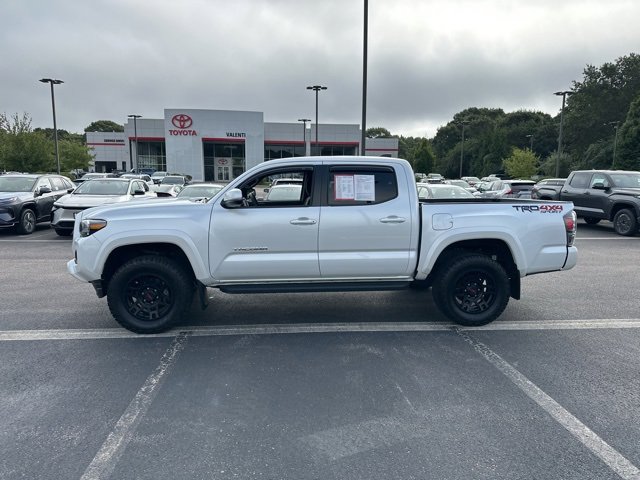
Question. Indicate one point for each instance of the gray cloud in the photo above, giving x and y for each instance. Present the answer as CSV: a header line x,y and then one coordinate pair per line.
x,y
427,60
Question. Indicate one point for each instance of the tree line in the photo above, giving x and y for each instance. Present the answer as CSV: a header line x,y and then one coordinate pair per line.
x,y
601,130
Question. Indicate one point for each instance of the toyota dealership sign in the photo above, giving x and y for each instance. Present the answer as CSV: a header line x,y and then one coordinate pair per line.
x,y
183,123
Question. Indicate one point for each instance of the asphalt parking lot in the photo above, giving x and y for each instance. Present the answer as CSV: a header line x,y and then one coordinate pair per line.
x,y
322,386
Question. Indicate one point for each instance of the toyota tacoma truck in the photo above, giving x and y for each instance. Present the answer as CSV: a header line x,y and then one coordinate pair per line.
x,y
351,224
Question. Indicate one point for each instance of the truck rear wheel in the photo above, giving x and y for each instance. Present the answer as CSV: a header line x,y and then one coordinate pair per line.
x,y
471,290
624,223
149,294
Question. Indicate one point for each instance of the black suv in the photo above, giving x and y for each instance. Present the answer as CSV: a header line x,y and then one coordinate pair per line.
x,y
27,199
605,195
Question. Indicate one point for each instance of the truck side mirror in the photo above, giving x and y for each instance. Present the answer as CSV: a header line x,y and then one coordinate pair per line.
x,y
599,186
232,199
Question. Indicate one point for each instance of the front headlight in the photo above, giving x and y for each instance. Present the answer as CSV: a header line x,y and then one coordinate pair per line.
x,y
90,226
8,200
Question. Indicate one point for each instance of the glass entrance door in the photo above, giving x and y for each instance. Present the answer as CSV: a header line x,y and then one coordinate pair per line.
x,y
222,173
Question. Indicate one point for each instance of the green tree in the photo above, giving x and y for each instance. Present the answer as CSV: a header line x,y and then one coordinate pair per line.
x,y
628,151
521,163
105,126
604,95
28,152
548,167
423,159
73,156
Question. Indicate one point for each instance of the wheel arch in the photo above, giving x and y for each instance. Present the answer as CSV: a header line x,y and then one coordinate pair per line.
x,y
495,248
621,206
123,254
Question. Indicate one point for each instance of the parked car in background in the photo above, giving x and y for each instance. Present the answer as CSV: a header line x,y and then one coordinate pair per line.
x,y
157,177
612,195
548,189
91,176
139,176
505,189
463,184
284,192
171,185
92,193
200,190
26,200
435,178
442,191
471,180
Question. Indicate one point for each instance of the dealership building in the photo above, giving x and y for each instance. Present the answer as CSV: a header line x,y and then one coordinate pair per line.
x,y
219,145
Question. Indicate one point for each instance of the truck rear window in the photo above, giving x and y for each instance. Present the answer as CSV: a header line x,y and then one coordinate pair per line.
x,y
361,186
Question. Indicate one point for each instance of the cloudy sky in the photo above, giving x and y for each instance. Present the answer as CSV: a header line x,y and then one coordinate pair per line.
x,y
427,59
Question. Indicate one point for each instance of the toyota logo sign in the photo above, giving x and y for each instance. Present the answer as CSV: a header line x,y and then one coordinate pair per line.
x,y
182,121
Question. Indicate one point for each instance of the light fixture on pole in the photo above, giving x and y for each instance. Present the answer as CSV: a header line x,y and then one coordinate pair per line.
x,y
530,137
135,136
304,132
316,88
52,82
564,97
615,142
463,123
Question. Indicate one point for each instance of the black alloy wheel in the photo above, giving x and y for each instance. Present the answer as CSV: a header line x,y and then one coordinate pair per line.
x,y
472,290
624,223
150,293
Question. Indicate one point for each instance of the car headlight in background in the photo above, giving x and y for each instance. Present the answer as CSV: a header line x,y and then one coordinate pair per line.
x,y
8,200
91,226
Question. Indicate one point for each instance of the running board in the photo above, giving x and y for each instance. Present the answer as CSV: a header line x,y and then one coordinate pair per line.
x,y
314,287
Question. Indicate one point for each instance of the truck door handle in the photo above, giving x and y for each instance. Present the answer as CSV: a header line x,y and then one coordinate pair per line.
x,y
393,219
303,221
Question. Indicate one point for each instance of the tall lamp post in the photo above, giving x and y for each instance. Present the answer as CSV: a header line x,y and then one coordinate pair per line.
x,y
304,132
615,141
316,88
135,134
530,137
564,97
363,150
463,123
52,82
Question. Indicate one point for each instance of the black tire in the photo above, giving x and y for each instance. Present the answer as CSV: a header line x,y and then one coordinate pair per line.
x,y
591,220
27,222
64,233
624,223
471,290
149,294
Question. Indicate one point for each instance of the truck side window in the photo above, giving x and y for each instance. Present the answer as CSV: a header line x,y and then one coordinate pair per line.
x,y
598,178
361,186
580,180
279,188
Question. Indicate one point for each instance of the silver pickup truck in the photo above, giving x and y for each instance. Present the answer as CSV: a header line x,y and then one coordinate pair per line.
x,y
349,223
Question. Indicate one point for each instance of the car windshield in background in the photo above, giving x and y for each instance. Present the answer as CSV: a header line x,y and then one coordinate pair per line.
x,y
452,191
199,191
172,181
626,180
16,184
103,187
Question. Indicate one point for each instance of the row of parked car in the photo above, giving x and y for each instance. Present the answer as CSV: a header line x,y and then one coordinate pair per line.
x,y
26,200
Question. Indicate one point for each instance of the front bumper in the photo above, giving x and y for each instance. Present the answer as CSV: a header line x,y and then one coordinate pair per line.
x,y
64,218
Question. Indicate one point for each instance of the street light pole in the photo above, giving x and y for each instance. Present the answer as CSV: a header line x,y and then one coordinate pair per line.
x,y
316,88
363,150
304,132
615,142
564,96
135,135
463,123
52,82
530,137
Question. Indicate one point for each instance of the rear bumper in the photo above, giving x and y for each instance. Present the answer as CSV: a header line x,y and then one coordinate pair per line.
x,y
572,258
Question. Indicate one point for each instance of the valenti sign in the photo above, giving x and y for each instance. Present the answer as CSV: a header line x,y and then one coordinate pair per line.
x,y
183,123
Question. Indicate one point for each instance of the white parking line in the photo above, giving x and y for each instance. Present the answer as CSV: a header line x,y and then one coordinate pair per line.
x,y
607,238
107,457
609,455
270,329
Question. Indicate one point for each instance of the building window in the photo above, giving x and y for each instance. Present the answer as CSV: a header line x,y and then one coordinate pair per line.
x,y
333,150
281,150
223,161
152,155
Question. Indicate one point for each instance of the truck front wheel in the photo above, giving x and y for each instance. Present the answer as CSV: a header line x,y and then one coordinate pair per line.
x,y
471,290
149,294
